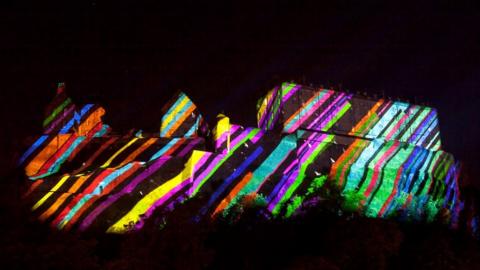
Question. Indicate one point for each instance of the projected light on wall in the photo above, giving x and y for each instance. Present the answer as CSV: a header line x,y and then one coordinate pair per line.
x,y
384,158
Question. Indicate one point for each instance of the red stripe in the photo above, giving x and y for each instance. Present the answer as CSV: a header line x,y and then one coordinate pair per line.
x,y
376,169
57,155
106,190
394,191
79,196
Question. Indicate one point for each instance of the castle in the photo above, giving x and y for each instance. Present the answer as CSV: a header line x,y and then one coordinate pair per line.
x,y
384,157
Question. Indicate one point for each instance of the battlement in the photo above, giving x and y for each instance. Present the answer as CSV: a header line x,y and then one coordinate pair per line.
x,y
290,107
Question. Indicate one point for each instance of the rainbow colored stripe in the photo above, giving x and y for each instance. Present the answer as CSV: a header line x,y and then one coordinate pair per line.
x,y
384,157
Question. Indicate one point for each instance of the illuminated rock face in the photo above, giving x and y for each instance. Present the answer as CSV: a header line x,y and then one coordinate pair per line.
x,y
383,157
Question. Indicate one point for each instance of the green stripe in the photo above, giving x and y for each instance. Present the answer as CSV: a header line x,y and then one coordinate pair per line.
x,y
56,112
337,116
301,175
388,181
241,142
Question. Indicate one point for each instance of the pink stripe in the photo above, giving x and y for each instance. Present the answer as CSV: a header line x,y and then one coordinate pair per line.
x,y
326,111
376,169
257,136
56,122
397,126
309,113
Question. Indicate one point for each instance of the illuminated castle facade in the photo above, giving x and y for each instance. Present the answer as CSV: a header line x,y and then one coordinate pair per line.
x,y
383,157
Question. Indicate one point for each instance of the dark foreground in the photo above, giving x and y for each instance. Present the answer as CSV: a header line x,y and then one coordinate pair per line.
x,y
321,239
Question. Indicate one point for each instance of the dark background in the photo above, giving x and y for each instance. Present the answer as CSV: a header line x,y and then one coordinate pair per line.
x,y
130,58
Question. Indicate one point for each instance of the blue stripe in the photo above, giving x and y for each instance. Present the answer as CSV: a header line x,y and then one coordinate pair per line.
x,y
239,171
76,119
193,128
32,148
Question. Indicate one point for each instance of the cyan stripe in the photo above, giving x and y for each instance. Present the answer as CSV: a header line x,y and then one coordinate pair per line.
x,y
164,149
270,164
107,180
165,130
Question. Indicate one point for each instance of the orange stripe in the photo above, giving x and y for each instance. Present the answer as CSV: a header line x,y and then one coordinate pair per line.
x,y
301,108
106,190
361,145
121,178
366,117
137,152
32,188
226,201
91,121
78,183
369,126
49,150
96,154
341,159
180,121
174,147
60,152
87,140
54,207
80,211
63,197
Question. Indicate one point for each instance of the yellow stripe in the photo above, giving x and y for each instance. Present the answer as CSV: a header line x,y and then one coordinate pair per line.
x,y
55,188
175,112
118,153
137,152
133,216
223,125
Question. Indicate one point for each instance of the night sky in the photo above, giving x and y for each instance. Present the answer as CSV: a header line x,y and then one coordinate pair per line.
x,y
131,58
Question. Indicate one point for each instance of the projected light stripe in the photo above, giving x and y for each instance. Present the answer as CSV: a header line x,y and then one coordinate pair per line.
x,y
236,143
57,111
383,157
157,196
152,168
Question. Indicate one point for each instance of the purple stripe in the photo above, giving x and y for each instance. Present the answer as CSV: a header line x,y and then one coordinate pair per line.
x,y
288,181
161,201
267,108
295,162
240,137
223,138
199,179
272,113
59,119
310,138
276,116
128,189
416,132
217,159
189,147
335,112
313,147
257,136
326,111
310,151
289,94
199,164
316,105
